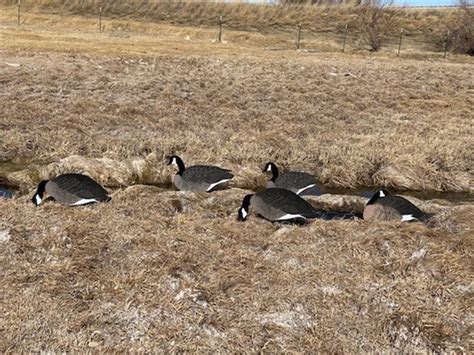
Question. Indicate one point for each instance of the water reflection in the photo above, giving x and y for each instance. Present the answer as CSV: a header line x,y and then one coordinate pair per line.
x,y
5,193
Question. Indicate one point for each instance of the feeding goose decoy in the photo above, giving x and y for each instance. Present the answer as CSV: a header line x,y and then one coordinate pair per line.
x,y
385,206
295,181
198,178
71,189
277,204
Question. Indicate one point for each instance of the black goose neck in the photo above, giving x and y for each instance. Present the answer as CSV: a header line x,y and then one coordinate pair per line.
x,y
274,171
41,188
246,202
39,192
180,164
376,196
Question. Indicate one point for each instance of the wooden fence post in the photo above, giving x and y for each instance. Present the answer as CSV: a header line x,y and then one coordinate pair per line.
x,y
400,43
100,19
19,11
220,28
298,39
446,44
345,37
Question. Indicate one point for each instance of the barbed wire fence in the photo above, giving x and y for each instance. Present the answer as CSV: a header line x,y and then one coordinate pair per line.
x,y
307,39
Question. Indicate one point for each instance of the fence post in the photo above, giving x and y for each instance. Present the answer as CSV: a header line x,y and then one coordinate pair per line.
x,y
400,43
345,37
100,19
446,43
220,28
298,38
19,11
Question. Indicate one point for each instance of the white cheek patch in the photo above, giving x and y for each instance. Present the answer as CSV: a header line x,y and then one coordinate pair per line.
x,y
269,168
290,216
305,188
408,217
84,201
173,161
381,194
211,186
244,213
38,200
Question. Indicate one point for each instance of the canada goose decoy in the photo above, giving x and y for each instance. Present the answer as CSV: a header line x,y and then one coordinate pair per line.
x,y
71,189
277,204
198,178
295,181
385,206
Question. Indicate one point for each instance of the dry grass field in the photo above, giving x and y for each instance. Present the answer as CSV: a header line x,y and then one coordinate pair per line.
x,y
161,270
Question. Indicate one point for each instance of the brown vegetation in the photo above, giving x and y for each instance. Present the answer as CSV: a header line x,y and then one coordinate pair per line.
x,y
462,30
377,22
170,271
353,121
326,21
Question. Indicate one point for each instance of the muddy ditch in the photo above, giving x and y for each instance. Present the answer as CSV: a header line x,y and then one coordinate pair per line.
x,y
20,177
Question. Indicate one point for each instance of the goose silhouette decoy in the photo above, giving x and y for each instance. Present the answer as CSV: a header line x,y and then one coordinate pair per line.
x,y
71,189
277,204
385,206
198,178
295,181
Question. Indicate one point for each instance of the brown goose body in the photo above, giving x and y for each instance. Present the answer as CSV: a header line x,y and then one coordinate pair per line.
x,y
296,181
72,190
277,204
386,207
198,178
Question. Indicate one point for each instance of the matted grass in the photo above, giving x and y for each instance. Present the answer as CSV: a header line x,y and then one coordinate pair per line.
x,y
351,120
175,271
171,271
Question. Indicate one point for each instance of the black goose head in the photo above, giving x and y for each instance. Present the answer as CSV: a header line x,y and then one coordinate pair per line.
x,y
176,160
38,196
379,194
271,167
244,209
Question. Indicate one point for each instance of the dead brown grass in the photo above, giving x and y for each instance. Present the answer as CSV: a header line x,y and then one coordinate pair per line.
x,y
159,270
236,14
351,120
423,27
179,273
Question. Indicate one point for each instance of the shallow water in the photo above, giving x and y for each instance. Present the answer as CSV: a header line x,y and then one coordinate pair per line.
x,y
5,192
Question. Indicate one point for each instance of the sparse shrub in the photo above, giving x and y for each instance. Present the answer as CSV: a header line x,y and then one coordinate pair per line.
x,y
461,28
376,22
456,31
